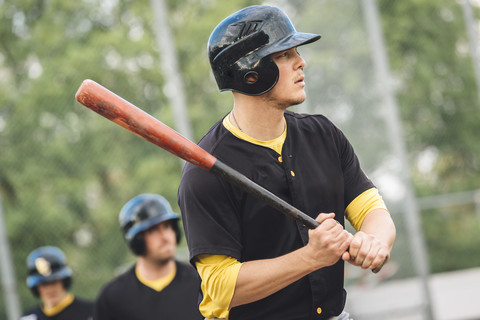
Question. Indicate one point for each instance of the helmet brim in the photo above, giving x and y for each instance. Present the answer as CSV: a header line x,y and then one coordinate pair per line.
x,y
144,225
296,39
36,279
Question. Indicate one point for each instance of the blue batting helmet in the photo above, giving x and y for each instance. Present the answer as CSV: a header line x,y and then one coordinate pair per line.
x,y
47,264
141,213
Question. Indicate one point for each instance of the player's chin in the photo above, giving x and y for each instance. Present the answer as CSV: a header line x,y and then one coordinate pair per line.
x,y
165,255
170,251
298,100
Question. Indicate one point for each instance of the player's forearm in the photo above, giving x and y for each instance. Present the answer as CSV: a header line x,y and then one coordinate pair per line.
x,y
260,278
380,224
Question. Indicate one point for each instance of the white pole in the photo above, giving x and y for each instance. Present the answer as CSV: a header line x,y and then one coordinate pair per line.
x,y
171,71
473,39
392,118
8,276
477,206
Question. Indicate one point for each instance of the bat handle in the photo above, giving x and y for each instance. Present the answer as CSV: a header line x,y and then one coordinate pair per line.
x,y
236,178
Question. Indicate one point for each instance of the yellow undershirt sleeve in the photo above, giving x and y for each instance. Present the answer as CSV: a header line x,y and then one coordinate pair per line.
x,y
358,209
219,276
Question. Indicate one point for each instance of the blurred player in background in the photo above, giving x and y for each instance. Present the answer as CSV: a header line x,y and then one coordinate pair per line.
x,y
50,278
157,286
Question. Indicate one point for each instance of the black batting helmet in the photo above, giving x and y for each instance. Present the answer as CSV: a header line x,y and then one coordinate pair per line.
x,y
240,46
141,213
47,264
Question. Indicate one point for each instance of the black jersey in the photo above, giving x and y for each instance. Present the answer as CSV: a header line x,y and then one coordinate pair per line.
x,y
317,171
78,310
125,297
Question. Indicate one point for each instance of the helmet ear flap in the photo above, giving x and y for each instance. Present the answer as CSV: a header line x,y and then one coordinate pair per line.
x,y
137,245
259,80
67,283
35,291
176,228
254,81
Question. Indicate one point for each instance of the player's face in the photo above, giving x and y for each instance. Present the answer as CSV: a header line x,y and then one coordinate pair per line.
x,y
290,88
51,293
160,241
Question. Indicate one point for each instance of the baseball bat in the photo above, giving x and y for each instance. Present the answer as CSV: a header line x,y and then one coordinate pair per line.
x,y
116,109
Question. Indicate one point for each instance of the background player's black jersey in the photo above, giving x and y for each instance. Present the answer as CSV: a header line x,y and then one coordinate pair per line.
x,y
77,310
125,297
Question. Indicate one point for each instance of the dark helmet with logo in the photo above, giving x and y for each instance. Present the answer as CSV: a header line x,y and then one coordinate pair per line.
x,y
47,264
240,46
141,213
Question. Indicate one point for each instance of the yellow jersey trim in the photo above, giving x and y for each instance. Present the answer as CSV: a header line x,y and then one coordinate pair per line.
x,y
275,144
65,302
358,209
158,284
219,275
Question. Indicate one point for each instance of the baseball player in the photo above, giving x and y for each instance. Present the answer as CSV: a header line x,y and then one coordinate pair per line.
x,y
256,263
157,286
50,278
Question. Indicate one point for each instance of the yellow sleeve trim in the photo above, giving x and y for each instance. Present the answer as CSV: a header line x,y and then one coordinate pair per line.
x,y
219,276
65,302
158,284
358,209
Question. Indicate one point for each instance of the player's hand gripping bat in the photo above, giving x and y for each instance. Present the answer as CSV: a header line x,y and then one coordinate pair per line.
x,y
116,109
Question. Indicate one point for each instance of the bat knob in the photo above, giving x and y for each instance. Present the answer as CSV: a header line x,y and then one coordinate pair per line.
x,y
380,266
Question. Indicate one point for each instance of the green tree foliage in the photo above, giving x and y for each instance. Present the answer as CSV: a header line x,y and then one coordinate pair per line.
x,y
430,55
65,172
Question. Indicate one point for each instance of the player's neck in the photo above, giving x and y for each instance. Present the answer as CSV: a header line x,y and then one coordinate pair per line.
x,y
50,303
153,270
259,120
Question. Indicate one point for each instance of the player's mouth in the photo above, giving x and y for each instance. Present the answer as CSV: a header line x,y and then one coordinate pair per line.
x,y
300,81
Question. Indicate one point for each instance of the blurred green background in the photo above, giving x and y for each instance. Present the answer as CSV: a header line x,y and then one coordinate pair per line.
x,y
65,172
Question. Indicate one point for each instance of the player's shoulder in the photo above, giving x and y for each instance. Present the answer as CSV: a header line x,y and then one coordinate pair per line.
x,y
214,136
212,142
120,282
306,121
306,117
80,309
185,267
32,314
83,302
187,274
